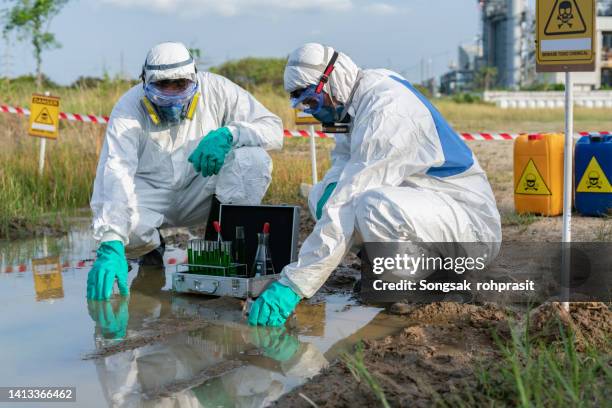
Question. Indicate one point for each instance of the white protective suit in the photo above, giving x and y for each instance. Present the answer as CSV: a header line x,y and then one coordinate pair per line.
x,y
144,180
403,174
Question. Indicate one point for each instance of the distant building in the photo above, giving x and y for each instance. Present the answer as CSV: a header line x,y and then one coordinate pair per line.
x,y
507,36
461,77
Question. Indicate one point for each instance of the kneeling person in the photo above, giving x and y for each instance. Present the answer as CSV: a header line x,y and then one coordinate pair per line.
x,y
172,143
401,174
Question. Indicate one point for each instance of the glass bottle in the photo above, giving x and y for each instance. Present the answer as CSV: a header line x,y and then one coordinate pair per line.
x,y
262,265
240,246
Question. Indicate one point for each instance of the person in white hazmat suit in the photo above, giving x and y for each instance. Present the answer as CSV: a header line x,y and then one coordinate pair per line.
x,y
172,143
400,174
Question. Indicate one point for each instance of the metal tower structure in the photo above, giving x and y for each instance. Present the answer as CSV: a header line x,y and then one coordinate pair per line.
x,y
506,34
6,66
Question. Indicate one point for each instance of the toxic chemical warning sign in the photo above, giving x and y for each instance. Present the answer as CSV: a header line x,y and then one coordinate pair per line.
x,y
565,18
44,116
532,182
565,35
594,180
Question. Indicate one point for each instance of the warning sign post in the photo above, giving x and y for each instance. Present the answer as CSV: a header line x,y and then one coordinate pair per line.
x,y
44,116
44,122
301,119
565,35
565,42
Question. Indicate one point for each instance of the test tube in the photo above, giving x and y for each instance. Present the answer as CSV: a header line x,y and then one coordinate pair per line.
x,y
198,257
227,253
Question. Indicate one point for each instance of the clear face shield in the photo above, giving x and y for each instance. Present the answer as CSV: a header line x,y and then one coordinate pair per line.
x,y
171,92
171,98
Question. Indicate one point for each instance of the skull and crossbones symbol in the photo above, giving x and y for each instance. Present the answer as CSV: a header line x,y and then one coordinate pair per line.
x,y
594,180
566,15
530,182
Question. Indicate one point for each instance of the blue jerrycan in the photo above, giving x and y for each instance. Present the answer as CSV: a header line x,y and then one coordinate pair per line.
x,y
592,175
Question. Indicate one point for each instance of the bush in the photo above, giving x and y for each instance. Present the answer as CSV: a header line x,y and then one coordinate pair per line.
x,y
30,81
254,72
544,87
466,98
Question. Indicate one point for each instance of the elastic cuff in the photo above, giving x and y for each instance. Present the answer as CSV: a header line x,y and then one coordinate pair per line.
x,y
235,134
283,280
111,236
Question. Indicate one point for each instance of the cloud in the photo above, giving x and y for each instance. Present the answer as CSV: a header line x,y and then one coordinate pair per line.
x,y
382,9
232,7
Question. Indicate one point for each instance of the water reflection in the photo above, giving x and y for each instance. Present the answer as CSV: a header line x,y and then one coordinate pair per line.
x,y
48,282
226,363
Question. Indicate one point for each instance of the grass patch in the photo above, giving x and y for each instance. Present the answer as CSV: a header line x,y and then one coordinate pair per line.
x,y
489,118
28,200
518,220
603,232
356,364
536,374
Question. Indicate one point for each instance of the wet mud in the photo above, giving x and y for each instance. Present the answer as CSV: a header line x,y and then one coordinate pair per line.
x,y
434,361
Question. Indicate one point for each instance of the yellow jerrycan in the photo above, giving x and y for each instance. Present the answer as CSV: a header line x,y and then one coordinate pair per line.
x,y
538,174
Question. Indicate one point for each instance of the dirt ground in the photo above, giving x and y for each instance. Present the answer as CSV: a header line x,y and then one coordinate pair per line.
x,y
435,359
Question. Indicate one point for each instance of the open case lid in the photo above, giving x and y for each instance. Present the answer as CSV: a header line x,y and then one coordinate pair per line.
x,y
284,228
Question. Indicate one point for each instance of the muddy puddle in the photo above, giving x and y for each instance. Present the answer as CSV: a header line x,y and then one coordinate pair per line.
x,y
156,348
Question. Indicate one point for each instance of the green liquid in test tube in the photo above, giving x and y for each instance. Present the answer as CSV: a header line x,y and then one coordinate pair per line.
x,y
189,255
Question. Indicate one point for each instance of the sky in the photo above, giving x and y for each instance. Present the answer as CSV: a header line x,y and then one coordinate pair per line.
x,y
408,36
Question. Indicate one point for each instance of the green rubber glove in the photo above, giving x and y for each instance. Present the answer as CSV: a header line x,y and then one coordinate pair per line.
x,y
326,194
112,324
274,306
110,265
210,154
275,342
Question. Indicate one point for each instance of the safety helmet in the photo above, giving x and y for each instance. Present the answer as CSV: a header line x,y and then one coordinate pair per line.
x,y
167,61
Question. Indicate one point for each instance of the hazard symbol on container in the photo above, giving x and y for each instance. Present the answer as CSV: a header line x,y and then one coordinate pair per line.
x,y
594,180
532,182
565,18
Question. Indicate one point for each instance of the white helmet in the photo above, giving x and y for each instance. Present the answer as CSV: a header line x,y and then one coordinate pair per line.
x,y
307,64
168,60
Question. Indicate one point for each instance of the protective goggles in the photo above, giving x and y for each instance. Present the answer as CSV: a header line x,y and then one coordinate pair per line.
x,y
311,99
170,97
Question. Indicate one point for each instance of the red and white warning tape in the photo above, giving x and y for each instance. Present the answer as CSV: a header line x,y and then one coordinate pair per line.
x,y
288,133
76,264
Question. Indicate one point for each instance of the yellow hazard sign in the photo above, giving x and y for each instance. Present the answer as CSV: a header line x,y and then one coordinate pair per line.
x,y
565,18
532,182
594,180
565,31
302,118
44,116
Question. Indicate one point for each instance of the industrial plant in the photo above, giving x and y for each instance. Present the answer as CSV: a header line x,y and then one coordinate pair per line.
x,y
503,54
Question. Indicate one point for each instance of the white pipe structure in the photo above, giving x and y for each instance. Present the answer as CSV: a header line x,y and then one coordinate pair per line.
x,y
313,155
567,185
41,156
41,153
